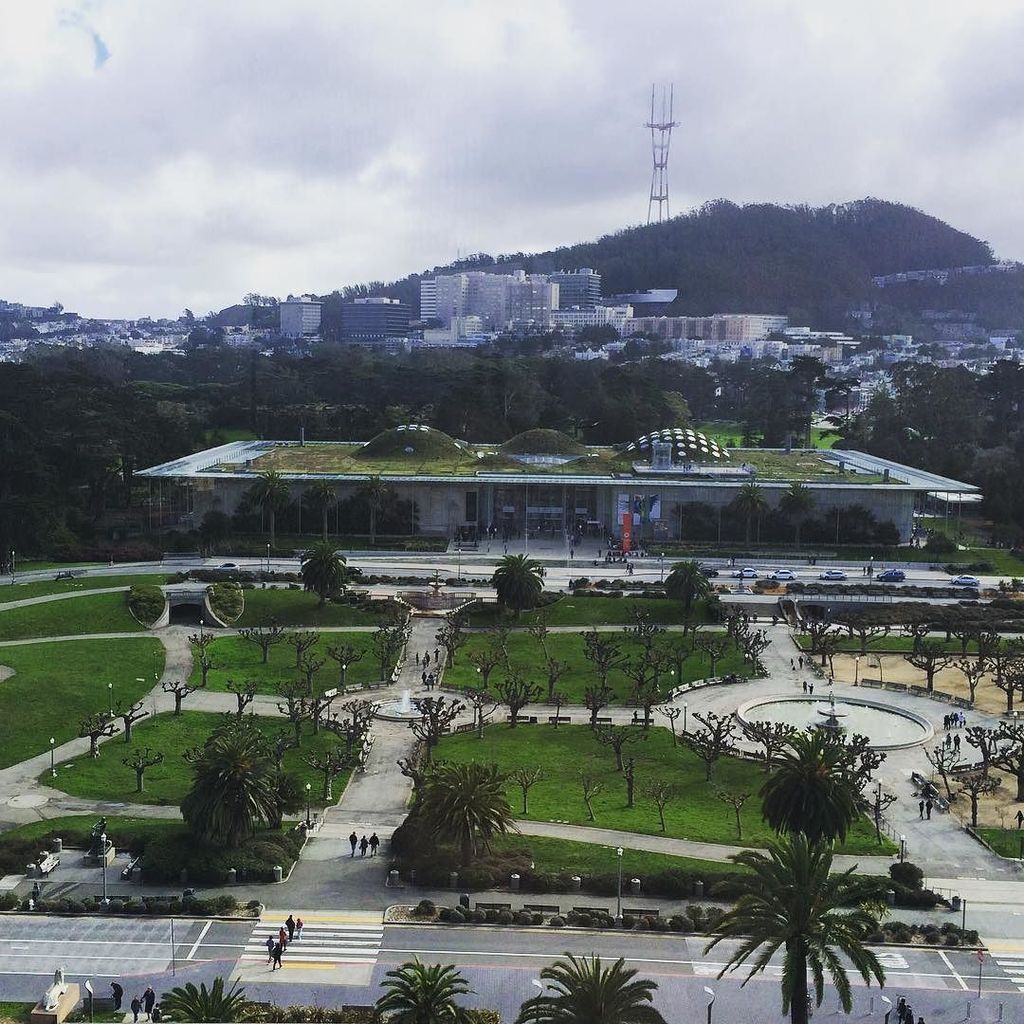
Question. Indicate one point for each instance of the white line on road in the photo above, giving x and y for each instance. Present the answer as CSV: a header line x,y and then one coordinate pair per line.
x,y
956,974
202,935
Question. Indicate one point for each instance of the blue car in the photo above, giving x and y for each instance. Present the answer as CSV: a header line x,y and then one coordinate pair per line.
x,y
891,576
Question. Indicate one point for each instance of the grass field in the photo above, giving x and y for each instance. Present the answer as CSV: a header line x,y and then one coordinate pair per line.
x,y
107,778
525,653
15,1013
74,829
299,608
21,591
74,616
557,855
238,659
590,610
1005,841
563,754
892,644
55,685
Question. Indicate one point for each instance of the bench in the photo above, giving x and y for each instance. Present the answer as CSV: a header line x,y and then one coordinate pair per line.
x,y
558,719
604,720
542,908
47,862
527,719
640,912
494,906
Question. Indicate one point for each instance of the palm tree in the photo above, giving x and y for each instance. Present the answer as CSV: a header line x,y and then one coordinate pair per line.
x,y
813,789
376,492
687,583
193,1004
270,492
322,496
234,788
587,993
791,902
796,504
467,804
750,502
418,994
323,570
518,580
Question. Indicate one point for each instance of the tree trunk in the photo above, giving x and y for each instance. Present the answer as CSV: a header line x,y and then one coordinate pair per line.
x,y
139,774
324,522
273,530
177,701
1020,783
798,999
298,732
373,526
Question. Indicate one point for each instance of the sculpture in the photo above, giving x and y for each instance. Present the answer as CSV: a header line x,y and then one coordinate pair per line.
x,y
59,987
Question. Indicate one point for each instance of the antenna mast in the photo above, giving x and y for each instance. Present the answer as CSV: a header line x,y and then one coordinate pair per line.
x,y
661,139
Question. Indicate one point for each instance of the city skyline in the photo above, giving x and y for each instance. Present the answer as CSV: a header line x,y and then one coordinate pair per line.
x,y
322,145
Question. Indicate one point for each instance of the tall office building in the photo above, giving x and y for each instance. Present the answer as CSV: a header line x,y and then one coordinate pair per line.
x,y
300,317
531,298
428,299
580,288
374,319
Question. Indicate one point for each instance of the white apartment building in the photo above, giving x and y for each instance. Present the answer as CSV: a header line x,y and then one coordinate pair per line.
x,y
727,327
497,299
300,317
574,320
428,299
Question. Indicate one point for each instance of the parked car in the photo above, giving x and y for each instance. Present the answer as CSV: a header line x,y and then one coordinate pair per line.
x,y
745,574
966,581
891,576
708,571
782,574
832,574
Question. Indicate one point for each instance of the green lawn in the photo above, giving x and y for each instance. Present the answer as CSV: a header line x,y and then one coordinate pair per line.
x,y
891,644
1005,841
589,610
98,613
299,608
21,591
74,829
238,659
55,685
558,855
15,1013
525,653
824,437
564,753
107,778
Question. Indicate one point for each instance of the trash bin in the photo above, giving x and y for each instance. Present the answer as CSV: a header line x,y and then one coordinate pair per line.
x,y
634,886
698,888
890,897
278,872
58,845
513,882
453,879
393,877
955,902
232,876
576,882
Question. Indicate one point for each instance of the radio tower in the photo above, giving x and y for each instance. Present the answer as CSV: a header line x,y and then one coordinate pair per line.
x,y
661,139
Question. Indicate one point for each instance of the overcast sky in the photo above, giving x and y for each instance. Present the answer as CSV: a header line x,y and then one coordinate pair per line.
x,y
156,155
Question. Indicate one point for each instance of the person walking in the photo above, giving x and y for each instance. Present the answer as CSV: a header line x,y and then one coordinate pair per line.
x,y
800,662
928,809
270,948
136,1005
810,689
364,844
423,676
118,993
299,925
374,843
149,1000
417,657
290,925
920,810
275,956
956,742
282,936
804,681
353,841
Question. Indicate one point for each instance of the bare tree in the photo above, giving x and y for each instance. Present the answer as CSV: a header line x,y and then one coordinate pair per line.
x,y
319,706
354,724
976,785
485,661
1009,755
603,651
139,761
436,714
387,642
450,636
302,640
129,715
714,645
945,761
713,741
330,764
973,669
662,793
736,802
880,805
526,778
676,652
1010,679
643,631
96,726
264,637
595,698
539,632
346,656
309,667
201,645
591,788
484,705
930,657
180,689
516,692
966,632
629,774
773,736
283,742
559,700
866,626
554,670
617,737
294,705
417,769
672,713
244,693
754,645
986,741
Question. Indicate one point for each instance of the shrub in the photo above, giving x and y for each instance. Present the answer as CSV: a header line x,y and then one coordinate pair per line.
x,y
425,908
660,924
491,916
557,921
226,600
939,544
584,920
536,917
572,917
628,922
225,904
146,603
524,918
951,940
445,914
9,901
907,874
505,917
678,923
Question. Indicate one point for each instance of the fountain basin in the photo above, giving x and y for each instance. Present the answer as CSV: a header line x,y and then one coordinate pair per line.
x,y
401,710
886,727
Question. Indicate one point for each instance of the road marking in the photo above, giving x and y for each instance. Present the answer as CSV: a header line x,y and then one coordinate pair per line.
x,y
202,935
328,940
956,974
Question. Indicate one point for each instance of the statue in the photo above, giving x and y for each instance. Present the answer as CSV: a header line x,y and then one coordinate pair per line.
x,y
59,987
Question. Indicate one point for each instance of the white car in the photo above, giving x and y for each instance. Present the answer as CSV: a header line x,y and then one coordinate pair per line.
x,y
782,574
965,581
832,574
745,574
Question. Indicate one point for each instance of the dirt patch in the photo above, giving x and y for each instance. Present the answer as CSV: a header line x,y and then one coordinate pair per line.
x,y
5,672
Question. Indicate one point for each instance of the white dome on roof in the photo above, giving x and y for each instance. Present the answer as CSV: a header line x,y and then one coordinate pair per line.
x,y
686,442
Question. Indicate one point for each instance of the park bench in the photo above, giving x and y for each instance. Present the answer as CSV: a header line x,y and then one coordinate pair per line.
x,y
47,862
895,687
559,719
640,912
604,720
963,702
527,719
542,908
494,906
943,696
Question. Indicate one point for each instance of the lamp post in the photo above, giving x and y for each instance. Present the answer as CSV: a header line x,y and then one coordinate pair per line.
x,y
103,863
618,890
661,565
344,673
53,770
309,786
268,558
903,848
685,709
110,695
856,670
711,1000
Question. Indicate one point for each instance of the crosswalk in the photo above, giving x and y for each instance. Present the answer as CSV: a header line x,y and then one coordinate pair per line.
x,y
328,940
1013,965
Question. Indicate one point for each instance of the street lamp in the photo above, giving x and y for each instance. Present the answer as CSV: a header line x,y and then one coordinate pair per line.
x,y
856,670
268,558
309,786
110,694
711,1000
618,894
661,565
53,770
103,863
344,673
903,848
685,709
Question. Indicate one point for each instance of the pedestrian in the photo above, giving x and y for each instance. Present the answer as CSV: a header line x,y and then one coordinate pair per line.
x,y
800,661
299,925
275,956
417,657
810,689
901,1009
270,948
956,742
282,936
792,665
353,840
118,993
136,1009
363,845
437,654
948,741
928,809
290,925
945,722
374,843
149,1000
572,554
804,682
423,676
920,810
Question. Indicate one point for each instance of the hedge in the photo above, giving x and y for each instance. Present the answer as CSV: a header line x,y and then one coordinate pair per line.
x,y
146,603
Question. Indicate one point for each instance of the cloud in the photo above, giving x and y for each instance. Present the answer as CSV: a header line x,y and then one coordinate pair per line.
x,y
251,145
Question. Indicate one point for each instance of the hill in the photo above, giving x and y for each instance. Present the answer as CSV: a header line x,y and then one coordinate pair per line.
x,y
810,262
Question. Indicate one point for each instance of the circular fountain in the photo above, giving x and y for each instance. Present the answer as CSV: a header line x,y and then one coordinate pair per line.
x,y
401,710
886,727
